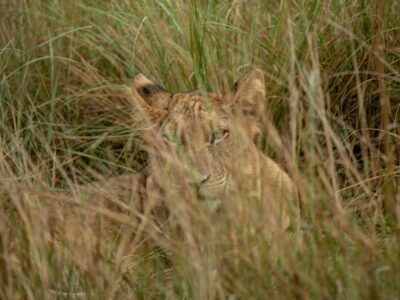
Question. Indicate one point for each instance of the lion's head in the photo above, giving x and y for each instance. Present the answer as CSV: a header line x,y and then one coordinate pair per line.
x,y
196,137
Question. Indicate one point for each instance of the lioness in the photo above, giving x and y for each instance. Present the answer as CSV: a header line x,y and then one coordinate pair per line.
x,y
200,146
205,140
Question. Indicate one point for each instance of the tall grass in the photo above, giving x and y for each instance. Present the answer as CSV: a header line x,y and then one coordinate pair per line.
x,y
331,118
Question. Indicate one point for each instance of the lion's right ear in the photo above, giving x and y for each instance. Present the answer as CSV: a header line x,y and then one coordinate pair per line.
x,y
150,98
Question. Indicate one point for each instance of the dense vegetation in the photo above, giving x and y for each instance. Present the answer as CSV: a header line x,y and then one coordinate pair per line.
x,y
332,119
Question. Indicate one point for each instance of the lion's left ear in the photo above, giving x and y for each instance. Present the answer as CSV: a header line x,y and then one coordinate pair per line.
x,y
249,92
150,98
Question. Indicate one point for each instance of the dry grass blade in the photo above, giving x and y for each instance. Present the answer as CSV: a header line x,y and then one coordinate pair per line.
x,y
187,195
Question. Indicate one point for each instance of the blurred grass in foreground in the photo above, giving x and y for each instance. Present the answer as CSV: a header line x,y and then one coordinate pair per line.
x,y
331,119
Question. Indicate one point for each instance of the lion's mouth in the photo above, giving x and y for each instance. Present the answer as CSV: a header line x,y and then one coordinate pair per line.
x,y
204,188
206,192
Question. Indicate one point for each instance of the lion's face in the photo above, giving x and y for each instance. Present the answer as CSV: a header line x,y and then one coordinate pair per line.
x,y
197,135
195,138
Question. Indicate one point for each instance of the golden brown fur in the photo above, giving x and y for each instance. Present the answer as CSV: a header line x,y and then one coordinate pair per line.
x,y
200,146
205,140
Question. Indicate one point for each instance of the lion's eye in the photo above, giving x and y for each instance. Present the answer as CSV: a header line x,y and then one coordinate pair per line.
x,y
218,136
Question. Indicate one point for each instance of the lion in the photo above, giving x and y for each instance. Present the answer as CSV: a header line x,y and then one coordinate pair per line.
x,y
206,141
200,145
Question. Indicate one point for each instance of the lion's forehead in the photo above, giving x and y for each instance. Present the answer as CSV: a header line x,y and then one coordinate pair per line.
x,y
195,108
196,100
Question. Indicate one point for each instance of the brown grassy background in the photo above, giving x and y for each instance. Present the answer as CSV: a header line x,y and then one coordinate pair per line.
x,y
331,119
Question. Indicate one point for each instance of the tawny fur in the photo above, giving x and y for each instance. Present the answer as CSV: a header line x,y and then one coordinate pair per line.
x,y
200,146
202,142
204,139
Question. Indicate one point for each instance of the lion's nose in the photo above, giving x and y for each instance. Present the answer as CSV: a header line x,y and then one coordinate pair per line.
x,y
199,180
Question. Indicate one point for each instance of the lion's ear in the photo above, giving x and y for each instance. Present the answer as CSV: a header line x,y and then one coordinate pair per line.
x,y
150,98
249,92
